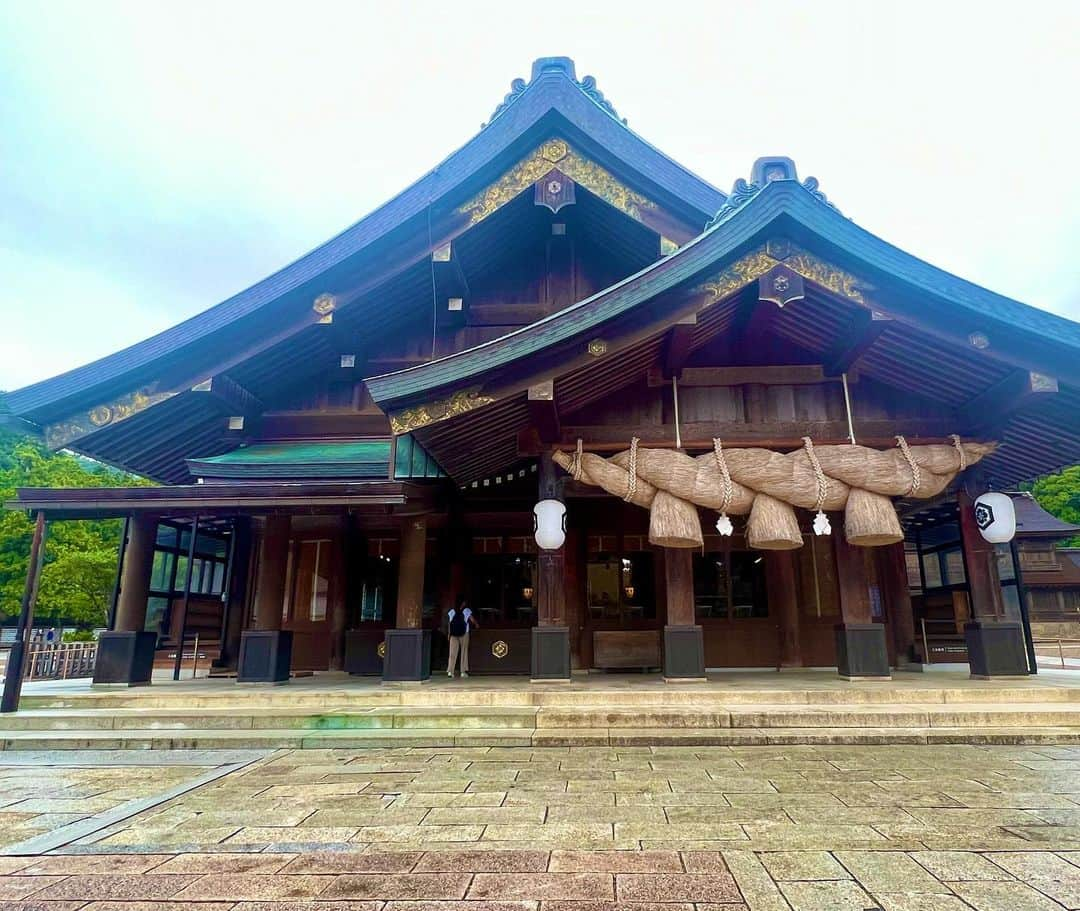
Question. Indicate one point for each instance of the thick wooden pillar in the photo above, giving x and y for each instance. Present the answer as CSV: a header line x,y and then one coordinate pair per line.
x,y
861,650
271,577
684,645
266,649
408,647
410,600
339,605
126,653
679,585
135,577
784,601
980,563
551,635
995,645
892,573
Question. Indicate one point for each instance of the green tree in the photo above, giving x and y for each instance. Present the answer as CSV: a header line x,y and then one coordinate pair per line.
x,y
80,556
1059,495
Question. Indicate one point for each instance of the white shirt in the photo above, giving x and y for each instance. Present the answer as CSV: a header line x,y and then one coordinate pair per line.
x,y
467,614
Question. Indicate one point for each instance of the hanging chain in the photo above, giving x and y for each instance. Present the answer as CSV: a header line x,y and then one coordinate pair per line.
x,y
631,471
822,481
916,472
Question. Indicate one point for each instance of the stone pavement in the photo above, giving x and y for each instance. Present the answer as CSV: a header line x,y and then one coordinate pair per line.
x,y
903,828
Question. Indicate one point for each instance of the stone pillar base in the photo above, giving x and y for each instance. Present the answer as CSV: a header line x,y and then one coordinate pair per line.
x,y
125,658
550,654
861,652
408,656
684,654
265,655
996,649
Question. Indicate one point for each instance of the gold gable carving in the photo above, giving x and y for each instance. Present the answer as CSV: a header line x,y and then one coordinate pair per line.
x,y
551,154
410,419
58,435
752,266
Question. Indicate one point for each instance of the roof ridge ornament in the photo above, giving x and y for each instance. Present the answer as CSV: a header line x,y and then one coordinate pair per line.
x,y
764,172
565,66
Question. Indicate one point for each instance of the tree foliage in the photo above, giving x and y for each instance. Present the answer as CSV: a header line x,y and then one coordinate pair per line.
x,y
80,556
1059,495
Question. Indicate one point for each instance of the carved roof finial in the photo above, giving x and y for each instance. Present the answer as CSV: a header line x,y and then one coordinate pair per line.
x,y
561,65
765,171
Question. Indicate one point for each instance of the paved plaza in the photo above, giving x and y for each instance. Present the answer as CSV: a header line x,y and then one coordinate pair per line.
x,y
903,828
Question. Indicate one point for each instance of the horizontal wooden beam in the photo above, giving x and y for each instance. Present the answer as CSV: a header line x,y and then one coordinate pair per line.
x,y
773,435
792,375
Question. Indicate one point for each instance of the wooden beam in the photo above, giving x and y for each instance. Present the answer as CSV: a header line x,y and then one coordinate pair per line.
x,y
994,407
752,321
790,375
233,397
17,656
543,412
677,345
866,328
774,434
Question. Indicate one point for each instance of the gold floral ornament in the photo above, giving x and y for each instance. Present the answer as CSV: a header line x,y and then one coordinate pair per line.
x,y
752,266
104,415
500,649
410,419
381,650
551,154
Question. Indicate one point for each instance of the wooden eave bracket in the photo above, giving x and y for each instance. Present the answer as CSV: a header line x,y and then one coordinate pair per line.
x,y
866,328
991,409
543,412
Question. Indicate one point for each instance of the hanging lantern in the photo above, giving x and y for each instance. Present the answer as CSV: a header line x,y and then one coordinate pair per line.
x,y
995,516
549,524
724,526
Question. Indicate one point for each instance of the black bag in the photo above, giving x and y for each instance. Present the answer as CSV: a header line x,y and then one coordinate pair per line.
x,y
458,624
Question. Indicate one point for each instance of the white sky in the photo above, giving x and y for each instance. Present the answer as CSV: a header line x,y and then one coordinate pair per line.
x,y
156,158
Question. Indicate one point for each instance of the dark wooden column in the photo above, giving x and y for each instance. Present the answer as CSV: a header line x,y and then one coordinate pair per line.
x,y
138,563
892,573
126,653
339,602
410,599
270,579
551,635
266,649
17,656
995,645
784,602
684,645
861,650
408,647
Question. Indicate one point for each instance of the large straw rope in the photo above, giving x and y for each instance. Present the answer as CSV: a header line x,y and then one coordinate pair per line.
x,y
814,477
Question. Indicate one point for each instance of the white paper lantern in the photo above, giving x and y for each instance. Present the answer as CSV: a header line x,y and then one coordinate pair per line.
x,y
996,517
549,524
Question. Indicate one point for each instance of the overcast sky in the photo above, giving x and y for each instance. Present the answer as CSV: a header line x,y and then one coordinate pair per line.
x,y
158,157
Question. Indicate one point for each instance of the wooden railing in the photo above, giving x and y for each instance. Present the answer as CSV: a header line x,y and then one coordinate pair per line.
x,y
1073,645
60,661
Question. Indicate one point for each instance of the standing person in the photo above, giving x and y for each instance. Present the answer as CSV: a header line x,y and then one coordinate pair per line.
x,y
459,620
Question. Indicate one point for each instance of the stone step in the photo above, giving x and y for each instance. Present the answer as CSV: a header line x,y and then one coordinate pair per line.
x,y
189,696
217,739
242,719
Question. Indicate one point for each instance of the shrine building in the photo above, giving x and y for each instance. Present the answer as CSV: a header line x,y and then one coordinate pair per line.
x,y
633,421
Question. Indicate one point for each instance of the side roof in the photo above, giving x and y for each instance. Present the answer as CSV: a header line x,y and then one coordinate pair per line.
x,y
553,100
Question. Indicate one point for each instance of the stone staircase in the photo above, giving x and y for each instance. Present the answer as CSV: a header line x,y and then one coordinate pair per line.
x,y
231,718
